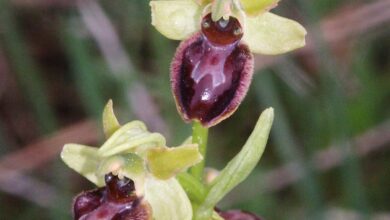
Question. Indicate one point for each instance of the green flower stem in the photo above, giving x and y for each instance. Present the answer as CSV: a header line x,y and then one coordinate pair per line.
x,y
195,190
199,136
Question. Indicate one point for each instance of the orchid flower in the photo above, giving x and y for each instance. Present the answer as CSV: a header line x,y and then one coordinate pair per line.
x,y
213,66
132,159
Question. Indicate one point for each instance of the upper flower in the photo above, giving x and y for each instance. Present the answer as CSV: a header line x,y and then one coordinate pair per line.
x,y
264,32
213,67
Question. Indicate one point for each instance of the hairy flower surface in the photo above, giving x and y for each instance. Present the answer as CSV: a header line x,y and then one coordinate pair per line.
x,y
213,66
136,171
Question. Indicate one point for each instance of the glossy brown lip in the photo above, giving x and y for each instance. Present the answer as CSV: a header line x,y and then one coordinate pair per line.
x,y
115,201
187,84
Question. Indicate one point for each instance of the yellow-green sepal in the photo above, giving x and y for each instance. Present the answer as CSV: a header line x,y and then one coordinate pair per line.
x,y
167,199
271,34
256,7
131,137
176,19
165,163
84,160
110,122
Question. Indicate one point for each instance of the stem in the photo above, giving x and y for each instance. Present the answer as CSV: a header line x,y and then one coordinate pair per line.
x,y
195,190
199,136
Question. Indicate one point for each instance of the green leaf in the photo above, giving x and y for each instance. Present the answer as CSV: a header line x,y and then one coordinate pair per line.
x,y
110,122
176,20
131,137
167,199
240,166
271,34
165,162
84,160
124,165
255,7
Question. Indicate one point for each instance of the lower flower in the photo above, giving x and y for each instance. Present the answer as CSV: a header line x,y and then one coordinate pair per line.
x,y
141,181
116,201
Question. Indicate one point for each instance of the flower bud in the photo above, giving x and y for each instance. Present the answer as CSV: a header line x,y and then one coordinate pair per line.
x,y
211,72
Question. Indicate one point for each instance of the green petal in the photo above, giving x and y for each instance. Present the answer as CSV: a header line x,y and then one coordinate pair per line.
x,y
240,166
165,163
176,20
255,7
125,165
167,199
131,137
84,160
271,34
110,122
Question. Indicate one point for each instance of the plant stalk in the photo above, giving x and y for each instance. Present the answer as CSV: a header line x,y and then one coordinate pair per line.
x,y
199,136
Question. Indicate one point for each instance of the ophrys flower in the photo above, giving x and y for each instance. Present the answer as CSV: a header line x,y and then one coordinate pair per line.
x,y
212,68
136,172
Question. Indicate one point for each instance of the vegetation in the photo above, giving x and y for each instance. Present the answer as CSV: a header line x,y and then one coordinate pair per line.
x,y
60,61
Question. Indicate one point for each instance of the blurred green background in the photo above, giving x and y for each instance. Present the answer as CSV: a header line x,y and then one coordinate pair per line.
x,y
328,156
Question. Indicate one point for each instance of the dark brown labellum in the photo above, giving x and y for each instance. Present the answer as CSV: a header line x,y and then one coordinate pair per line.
x,y
86,202
115,201
211,72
